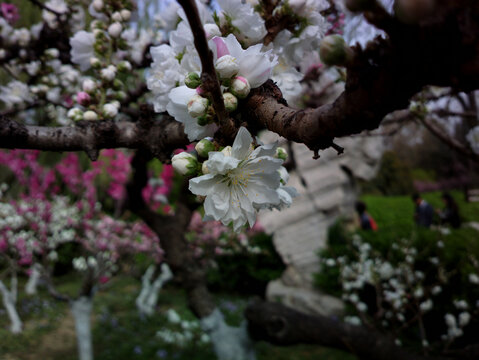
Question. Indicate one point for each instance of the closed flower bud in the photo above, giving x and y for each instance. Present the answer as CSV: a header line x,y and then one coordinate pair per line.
x,y
203,147
108,73
197,106
115,29
240,87
298,6
231,102
125,14
95,63
52,53
203,120
212,30
227,151
89,85
281,153
116,16
83,98
334,51
120,95
90,115
193,80
110,110
117,84
185,163
226,66
204,168
75,114
97,5
124,66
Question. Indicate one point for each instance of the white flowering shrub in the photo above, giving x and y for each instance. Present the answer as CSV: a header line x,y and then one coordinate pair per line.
x,y
423,289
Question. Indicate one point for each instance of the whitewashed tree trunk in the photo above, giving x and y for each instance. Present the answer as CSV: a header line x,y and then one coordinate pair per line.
x,y
148,298
229,343
9,300
81,309
31,285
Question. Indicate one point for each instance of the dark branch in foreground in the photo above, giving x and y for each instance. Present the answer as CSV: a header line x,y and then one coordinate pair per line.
x,y
283,326
441,50
158,137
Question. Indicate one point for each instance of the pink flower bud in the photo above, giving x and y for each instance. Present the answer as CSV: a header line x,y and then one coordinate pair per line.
x,y
221,48
83,98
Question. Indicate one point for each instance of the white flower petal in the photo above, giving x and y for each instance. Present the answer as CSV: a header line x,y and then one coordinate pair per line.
x,y
242,143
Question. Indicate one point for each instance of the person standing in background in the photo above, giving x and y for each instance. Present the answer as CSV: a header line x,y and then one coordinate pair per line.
x,y
424,212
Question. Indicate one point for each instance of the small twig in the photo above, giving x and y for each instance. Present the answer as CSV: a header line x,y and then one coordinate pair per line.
x,y
46,8
441,134
209,79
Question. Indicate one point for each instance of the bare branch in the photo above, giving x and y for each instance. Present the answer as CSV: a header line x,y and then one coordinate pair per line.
x,y
158,137
44,7
442,135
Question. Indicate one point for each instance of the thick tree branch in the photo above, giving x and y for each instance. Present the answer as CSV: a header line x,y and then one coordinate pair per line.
x,y
283,326
158,137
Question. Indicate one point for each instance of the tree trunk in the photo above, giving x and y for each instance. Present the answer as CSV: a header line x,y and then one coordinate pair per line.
x,y
9,300
229,343
148,298
31,285
81,309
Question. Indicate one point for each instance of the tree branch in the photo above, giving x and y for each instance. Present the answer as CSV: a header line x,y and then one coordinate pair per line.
x,y
283,326
158,137
209,79
442,135
44,7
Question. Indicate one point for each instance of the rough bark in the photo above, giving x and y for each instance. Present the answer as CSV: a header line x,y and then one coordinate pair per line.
x,y
283,326
158,137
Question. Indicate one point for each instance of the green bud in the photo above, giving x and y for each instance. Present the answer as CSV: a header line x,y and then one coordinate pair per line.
x,y
334,51
117,84
192,80
231,102
281,153
124,66
120,95
202,120
95,63
203,147
185,163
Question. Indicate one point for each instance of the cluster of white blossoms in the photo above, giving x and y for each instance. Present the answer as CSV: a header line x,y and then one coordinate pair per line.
x,y
403,292
239,180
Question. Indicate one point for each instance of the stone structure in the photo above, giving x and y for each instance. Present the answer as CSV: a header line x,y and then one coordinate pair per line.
x,y
330,192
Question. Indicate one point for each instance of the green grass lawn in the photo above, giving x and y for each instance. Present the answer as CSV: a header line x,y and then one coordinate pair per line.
x,y
120,333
